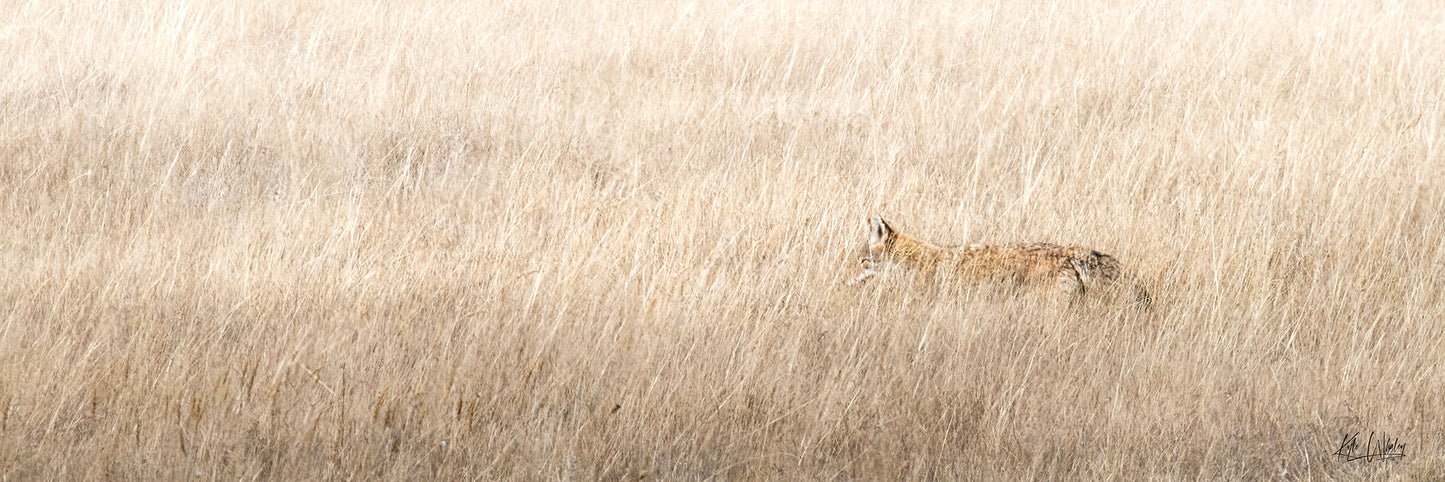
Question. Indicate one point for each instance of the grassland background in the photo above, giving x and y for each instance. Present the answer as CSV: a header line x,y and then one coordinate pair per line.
x,y
598,240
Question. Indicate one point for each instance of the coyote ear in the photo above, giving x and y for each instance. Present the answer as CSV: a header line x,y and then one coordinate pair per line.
x,y
878,230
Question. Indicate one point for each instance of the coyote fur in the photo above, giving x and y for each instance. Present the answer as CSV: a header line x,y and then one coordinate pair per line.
x,y
1074,270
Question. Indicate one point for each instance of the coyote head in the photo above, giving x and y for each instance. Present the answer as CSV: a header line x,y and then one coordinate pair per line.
x,y
877,252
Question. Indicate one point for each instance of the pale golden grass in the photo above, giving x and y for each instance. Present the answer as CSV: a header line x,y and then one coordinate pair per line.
x,y
531,240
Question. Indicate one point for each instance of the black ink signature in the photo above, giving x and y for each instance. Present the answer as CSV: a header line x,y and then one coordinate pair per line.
x,y
1388,448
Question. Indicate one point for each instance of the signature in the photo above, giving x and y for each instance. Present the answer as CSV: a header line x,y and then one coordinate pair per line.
x,y
1387,448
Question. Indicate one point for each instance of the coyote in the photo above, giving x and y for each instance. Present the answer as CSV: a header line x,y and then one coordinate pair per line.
x,y
1072,269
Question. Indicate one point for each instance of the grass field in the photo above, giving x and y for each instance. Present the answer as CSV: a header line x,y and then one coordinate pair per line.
x,y
544,240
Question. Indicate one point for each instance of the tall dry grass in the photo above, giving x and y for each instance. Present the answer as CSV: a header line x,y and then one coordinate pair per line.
x,y
533,240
